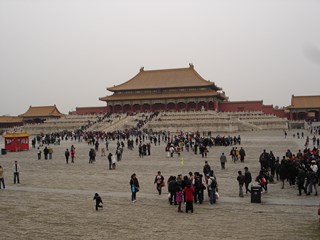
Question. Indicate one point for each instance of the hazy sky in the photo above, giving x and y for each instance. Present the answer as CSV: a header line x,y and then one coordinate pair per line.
x,y
66,52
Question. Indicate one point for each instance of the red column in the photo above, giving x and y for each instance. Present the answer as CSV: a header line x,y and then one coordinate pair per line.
x,y
291,116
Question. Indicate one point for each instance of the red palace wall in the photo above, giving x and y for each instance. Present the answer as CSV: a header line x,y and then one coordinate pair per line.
x,y
281,113
240,106
251,106
267,109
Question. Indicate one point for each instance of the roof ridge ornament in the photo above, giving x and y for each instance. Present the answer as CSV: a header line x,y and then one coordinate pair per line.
x,y
191,65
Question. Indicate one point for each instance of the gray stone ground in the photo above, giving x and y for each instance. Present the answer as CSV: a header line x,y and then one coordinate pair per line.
x,y
54,200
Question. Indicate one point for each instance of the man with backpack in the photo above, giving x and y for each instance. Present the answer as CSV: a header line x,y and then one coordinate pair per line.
x,y
212,186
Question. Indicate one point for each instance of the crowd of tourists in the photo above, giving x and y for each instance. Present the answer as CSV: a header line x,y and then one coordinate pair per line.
x,y
301,169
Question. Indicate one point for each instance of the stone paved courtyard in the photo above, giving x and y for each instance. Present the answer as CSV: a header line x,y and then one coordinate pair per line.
x,y
54,200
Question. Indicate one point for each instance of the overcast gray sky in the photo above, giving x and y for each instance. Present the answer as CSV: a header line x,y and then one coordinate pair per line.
x,y
66,52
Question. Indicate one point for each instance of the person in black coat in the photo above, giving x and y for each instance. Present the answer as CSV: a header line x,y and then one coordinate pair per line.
x,y
98,201
301,179
134,184
110,160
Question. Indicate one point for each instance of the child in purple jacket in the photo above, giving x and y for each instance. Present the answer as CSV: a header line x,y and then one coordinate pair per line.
x,y
179,198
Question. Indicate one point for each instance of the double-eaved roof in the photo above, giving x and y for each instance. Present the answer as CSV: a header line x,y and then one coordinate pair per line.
x,y
42,111
186,81
305,102
165,78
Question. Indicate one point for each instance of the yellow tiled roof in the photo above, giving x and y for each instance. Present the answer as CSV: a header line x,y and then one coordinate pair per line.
x,y
305,102
165,78
42,111
15,134
165,95
10,119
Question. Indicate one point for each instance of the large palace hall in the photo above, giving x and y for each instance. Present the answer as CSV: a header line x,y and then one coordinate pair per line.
x,y
180,89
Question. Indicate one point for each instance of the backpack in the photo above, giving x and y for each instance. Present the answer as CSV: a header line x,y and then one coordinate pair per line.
x,y
213,184
263,181
198,183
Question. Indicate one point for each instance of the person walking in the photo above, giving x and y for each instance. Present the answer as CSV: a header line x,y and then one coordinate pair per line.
x,y
67,155
39,153
241,181
72,153
242,154
159,180
206,169
223,160
212,186
301,180
247,179
50,152
46,152
16,171
2,177
110,160
134,184
92,155
313,181
114,162
98,201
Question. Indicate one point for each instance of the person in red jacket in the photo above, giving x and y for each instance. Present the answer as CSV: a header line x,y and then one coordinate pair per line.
x,y
189,191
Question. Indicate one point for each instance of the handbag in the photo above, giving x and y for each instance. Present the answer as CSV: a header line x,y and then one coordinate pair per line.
x,y
217,195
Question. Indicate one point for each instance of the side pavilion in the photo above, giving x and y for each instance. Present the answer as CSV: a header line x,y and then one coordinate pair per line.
x,y
40,114
305,108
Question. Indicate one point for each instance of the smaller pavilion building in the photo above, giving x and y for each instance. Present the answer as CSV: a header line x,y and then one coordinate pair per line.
x,y
10,122
305,108
41,113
